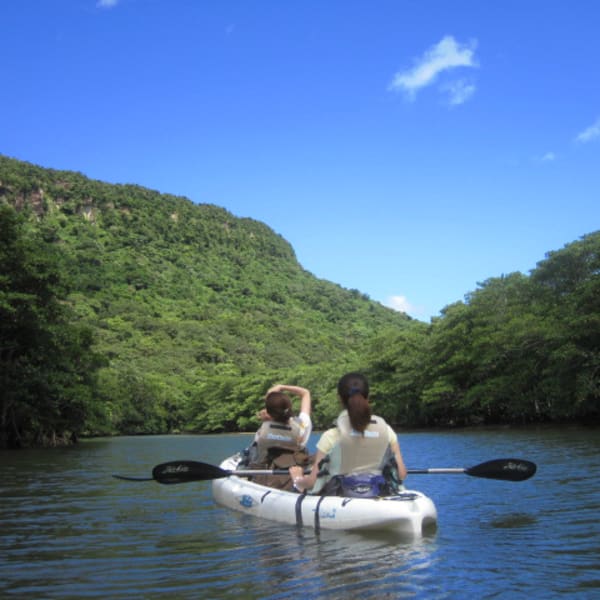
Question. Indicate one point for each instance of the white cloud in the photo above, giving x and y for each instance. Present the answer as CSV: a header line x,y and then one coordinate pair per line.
x,y
459,91
401,304
445,55
589,134
106,3
545,158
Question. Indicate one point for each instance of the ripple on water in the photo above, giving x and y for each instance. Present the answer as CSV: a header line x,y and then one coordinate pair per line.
x,y
71,531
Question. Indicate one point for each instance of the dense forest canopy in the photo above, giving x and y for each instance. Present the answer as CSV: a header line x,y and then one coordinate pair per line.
x,y
128,311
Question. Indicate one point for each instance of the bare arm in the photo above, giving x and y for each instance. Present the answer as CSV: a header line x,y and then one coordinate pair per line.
x,y
304,482
402,472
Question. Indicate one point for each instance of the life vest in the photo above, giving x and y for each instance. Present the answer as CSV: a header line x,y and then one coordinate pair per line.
x,y
272,435
356,452
362,452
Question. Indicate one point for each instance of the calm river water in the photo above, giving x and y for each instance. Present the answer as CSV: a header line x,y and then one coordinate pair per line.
x,y
70,530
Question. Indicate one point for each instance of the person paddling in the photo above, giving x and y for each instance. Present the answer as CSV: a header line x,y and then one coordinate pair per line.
x,y
360,445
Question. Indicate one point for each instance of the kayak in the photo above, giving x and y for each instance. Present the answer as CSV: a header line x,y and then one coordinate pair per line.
x,y
407,512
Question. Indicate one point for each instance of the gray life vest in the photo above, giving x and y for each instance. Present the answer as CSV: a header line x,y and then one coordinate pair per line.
x,y
276,435
362,452
356,452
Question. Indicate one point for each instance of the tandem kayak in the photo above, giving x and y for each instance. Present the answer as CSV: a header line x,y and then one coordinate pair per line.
x,y
408,512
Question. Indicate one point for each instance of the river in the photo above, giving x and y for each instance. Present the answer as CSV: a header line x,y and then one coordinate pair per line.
x,y
70,530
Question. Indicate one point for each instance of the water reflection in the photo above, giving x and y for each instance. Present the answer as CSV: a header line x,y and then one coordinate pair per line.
x,y
513,521
71,531
328,564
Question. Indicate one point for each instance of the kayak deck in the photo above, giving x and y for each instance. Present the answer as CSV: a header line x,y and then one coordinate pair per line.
x,y
409,511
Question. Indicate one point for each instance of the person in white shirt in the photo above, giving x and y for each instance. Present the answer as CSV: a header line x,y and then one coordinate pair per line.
x,y
281,439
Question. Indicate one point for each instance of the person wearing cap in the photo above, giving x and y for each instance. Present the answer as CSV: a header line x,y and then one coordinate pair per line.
x,y
360,443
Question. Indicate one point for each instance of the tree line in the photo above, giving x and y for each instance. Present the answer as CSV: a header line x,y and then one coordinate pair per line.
x,y
519,349
126,311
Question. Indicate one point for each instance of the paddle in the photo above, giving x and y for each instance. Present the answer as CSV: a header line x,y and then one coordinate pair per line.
x,y
507,469
183,471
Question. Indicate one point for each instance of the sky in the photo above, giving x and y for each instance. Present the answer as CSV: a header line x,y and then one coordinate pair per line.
x,y
410,150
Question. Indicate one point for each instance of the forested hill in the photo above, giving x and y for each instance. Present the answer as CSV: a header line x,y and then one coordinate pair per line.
x,y
195,311
123,310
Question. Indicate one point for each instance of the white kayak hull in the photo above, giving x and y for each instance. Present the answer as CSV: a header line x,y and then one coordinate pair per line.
x,y
409,512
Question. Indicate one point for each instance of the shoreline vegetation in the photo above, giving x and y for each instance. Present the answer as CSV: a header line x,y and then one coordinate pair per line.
x,y
124,311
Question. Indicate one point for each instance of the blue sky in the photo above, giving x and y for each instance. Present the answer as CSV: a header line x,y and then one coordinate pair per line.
x,y
407,149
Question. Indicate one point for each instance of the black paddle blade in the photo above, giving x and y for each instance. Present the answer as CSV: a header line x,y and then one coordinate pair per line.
x,y
183,471
508,469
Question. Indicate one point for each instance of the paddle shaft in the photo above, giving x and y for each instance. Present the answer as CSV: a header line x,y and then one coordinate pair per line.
x,y
436,471
251,472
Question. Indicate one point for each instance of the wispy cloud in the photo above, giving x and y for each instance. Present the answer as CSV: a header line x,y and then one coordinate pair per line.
x,y
106,3
546,158
459,91
589,134
401,304
447,54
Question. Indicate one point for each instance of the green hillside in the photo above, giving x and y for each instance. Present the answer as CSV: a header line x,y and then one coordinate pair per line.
x,y
196,311
123,310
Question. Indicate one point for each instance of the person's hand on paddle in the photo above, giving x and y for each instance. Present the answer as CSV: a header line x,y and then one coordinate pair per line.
x,y
296,471
297,476
304,481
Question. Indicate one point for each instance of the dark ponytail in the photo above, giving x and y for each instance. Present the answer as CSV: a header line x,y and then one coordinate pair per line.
x,y
353,389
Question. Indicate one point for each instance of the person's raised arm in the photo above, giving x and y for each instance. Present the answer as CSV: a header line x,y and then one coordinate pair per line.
x,y
303,393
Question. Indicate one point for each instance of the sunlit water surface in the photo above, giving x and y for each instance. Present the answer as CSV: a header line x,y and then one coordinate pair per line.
x,y
70,530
